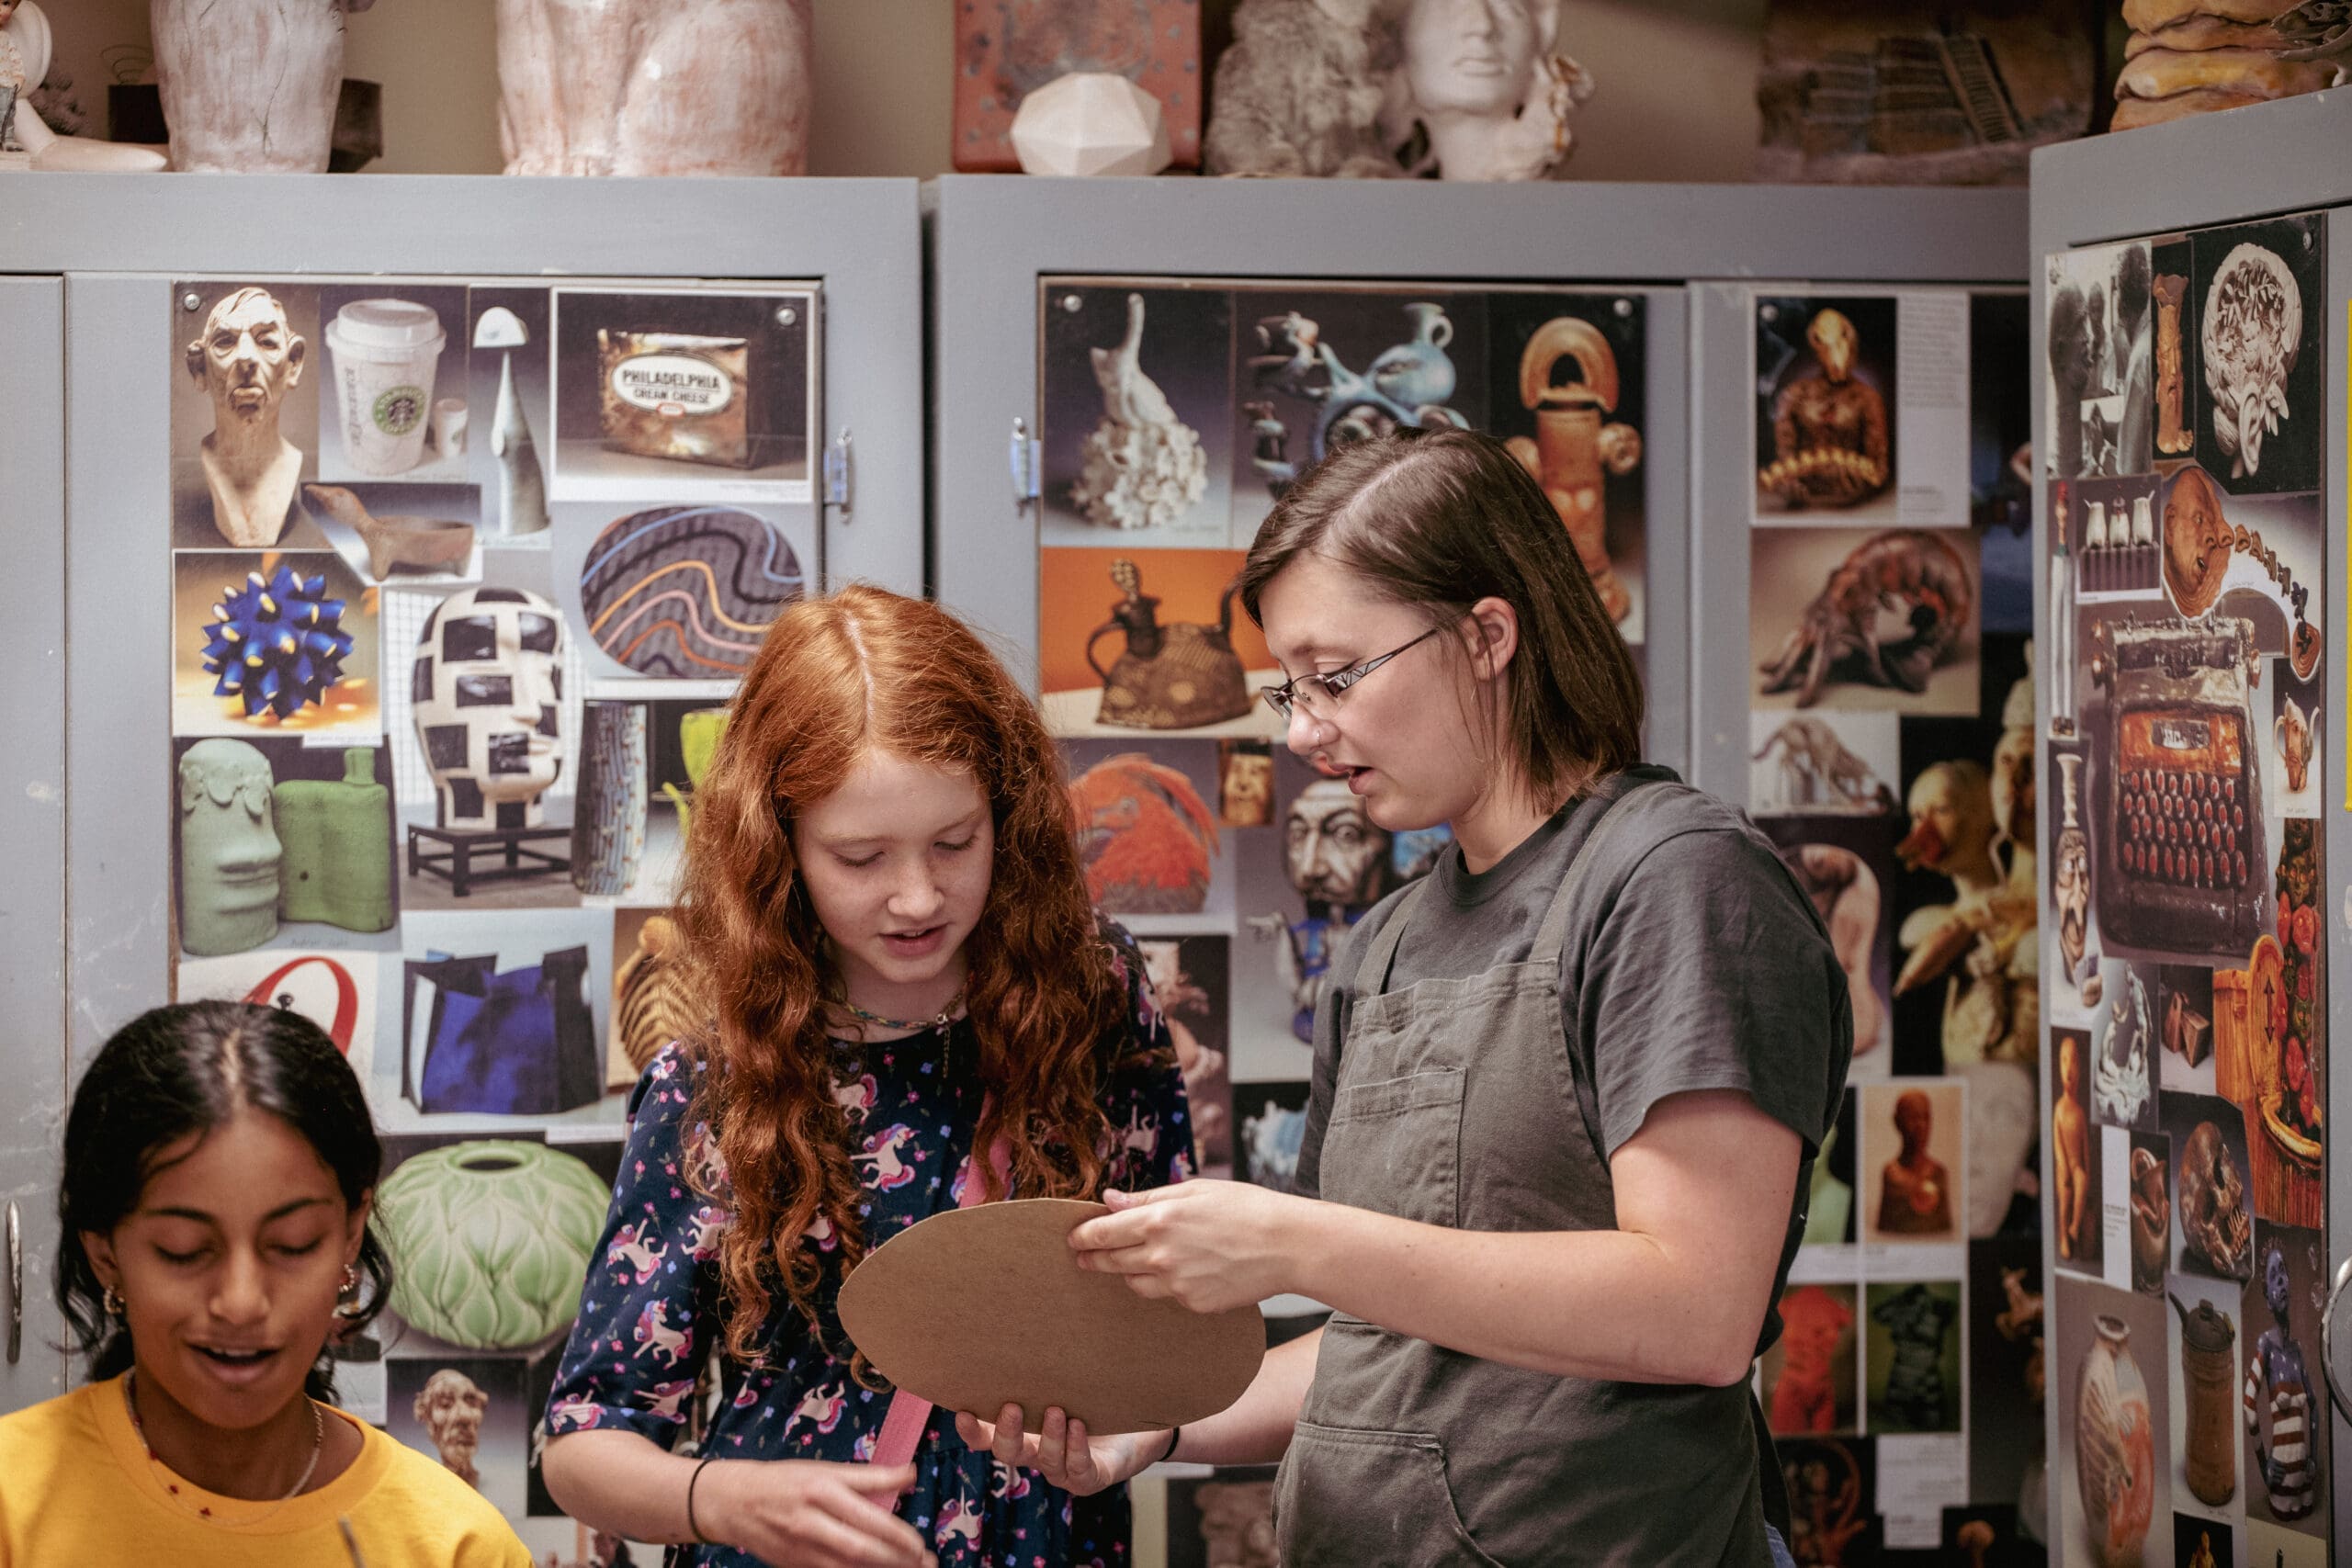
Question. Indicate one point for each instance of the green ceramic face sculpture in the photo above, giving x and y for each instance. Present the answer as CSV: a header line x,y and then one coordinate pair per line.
x,y
490,1240
229,848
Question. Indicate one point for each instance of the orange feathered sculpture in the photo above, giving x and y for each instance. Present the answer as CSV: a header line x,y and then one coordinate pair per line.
x,y
1146,836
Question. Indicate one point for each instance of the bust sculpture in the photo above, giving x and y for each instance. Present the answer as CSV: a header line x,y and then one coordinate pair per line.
x,y
1915,1192
1455,89
246,359
1480,92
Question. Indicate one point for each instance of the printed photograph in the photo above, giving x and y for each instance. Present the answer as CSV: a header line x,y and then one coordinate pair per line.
x,y
678,394
1136,420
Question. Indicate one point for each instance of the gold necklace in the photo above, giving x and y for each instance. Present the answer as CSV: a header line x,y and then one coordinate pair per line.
x,y
947,1011
318,1446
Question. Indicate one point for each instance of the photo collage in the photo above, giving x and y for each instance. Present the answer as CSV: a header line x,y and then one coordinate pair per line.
x,y
1891,759
1174,413
2187,1039
463,576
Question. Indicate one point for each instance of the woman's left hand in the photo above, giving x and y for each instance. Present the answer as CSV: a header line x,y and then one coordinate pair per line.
x,y
1209,1244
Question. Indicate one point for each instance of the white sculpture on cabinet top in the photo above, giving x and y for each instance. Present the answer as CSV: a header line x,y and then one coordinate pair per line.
x,y
1090,122
654,87
249,86
1461,89
1481,94
24,62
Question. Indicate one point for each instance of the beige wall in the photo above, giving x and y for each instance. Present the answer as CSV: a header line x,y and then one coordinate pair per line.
x,y
1676,94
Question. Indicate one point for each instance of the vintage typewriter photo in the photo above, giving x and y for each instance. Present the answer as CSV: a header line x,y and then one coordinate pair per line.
x,y
2176,791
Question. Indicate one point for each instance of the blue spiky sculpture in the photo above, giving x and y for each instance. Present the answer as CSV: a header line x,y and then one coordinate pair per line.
x,y
278,644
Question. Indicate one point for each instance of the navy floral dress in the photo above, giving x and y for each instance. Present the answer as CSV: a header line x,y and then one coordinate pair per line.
x,y
649,1312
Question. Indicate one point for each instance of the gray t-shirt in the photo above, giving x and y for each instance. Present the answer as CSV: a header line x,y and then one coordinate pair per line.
x,y
1707,969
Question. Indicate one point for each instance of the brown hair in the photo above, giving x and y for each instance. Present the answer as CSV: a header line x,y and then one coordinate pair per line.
x,y
863,670
1442,518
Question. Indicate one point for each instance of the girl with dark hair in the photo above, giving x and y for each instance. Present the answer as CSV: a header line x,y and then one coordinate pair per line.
x,y
885,912
1566,1087
213,1247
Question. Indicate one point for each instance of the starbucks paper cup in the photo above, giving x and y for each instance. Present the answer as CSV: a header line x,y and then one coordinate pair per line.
x,y
384,353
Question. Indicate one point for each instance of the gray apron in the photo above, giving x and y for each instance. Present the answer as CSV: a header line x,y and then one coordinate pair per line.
x,y
1458,1102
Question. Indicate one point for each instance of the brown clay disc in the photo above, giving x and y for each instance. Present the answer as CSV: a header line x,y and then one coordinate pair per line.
x,y
2133,113
2167,72
2206,32
2155,15
975,1309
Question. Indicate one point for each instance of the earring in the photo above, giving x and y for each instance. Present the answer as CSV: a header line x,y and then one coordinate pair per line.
x,y
348,1298
112,1302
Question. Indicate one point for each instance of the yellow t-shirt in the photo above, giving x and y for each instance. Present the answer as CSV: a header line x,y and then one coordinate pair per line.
x,y
76,1487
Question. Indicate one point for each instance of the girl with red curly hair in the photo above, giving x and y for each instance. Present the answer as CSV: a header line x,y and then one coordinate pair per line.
x,y
885,913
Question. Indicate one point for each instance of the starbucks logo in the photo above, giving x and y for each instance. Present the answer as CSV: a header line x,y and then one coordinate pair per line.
x,y
400,411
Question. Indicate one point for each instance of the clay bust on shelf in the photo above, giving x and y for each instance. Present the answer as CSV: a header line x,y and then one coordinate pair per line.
x,y
1915,1191
24,63
654,87
246,359
488,695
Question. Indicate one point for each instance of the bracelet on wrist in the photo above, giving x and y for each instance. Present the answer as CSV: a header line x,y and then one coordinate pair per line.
x,y
1175,1436
693,1481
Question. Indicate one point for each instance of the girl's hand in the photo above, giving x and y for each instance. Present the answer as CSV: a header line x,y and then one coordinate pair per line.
x,y
1209,1244
809,1511
1062,1453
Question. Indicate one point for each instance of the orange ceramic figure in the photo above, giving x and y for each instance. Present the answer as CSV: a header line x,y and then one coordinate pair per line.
x,y
1915,1195
1806,1397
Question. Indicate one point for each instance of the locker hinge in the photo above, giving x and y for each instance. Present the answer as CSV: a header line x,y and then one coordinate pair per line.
x,y
837,474
1026,458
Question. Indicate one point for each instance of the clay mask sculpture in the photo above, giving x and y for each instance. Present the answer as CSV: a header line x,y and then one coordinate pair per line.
x,y
488,702
229,850
451,1406
2253,329
246,359
2213,1225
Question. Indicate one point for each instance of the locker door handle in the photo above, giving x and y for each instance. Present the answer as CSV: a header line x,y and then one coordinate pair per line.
x,y
16,1284
2335,1339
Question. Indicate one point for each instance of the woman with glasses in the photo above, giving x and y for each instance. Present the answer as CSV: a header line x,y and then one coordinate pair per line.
x,y
1566,1087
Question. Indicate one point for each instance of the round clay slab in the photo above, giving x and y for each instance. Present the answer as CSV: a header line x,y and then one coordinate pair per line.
x,y
975,1309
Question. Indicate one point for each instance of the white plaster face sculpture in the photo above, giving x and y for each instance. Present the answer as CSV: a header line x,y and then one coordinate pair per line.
x,y
488,698
247,358
1480,77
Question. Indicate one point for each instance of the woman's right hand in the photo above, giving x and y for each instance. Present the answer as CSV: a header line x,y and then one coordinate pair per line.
x,y
1062,1452
813,1512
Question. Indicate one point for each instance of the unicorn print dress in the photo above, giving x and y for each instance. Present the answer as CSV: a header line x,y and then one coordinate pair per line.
x,y
649,1312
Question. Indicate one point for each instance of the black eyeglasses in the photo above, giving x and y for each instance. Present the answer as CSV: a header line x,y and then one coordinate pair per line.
x,y
1319,694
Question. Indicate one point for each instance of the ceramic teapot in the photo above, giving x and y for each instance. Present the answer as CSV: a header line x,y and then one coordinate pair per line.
x,y
1179,676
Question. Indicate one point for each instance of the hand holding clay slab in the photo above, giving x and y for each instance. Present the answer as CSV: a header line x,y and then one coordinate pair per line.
x,y
979,1308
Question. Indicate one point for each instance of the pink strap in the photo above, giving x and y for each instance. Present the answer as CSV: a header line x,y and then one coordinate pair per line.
x,y
902,1425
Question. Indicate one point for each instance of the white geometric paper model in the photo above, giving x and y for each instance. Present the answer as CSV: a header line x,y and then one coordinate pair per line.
x,y
1090,122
